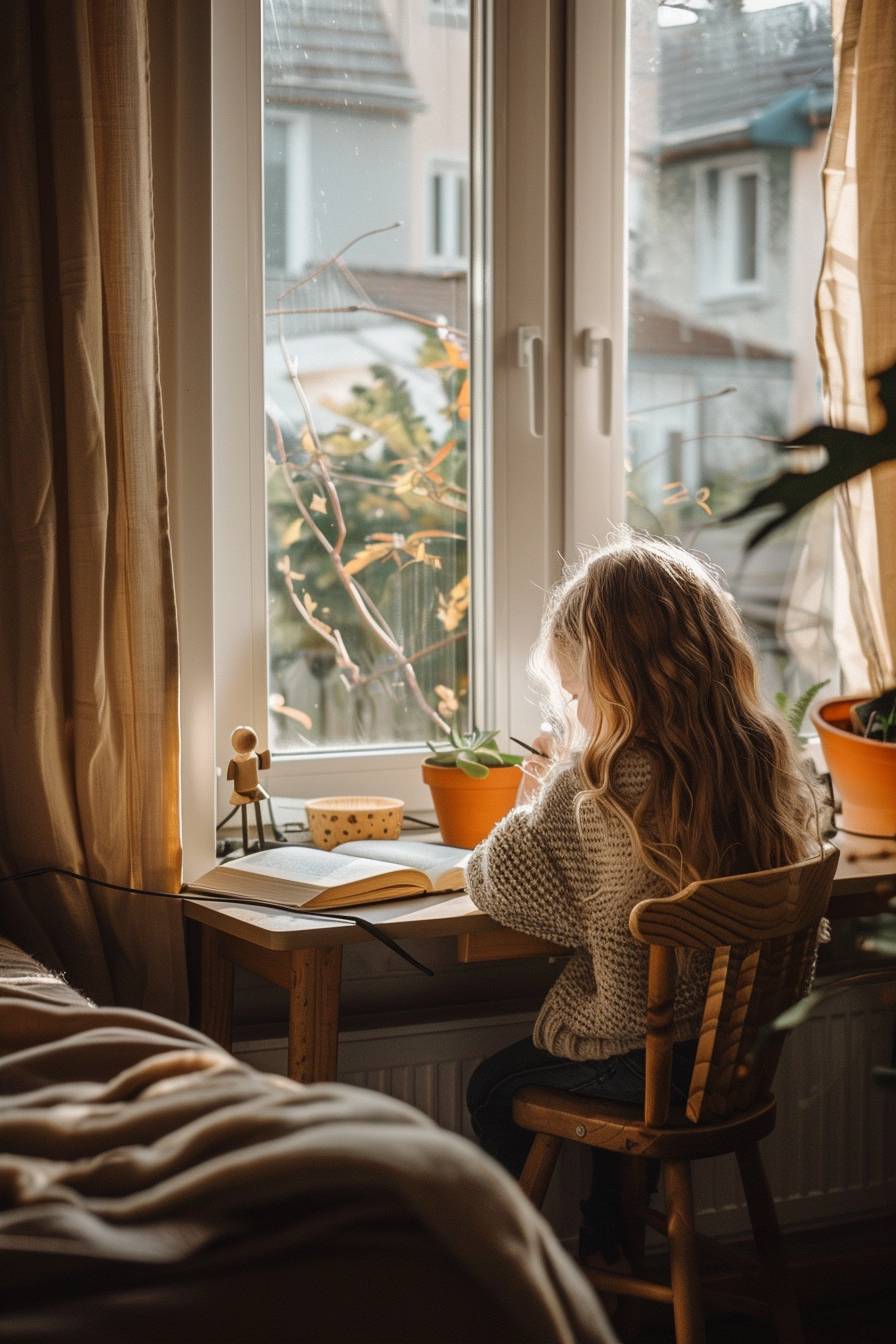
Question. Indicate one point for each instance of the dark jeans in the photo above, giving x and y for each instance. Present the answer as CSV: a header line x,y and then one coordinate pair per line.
x,y
619,1078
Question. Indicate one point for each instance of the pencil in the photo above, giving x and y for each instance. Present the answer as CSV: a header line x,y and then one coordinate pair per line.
x,y
533,751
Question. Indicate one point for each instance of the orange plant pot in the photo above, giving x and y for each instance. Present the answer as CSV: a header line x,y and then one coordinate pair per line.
x,y
467,809
863,772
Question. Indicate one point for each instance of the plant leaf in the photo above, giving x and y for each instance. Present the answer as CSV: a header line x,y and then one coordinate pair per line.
x,y
291,533
470,766
797,711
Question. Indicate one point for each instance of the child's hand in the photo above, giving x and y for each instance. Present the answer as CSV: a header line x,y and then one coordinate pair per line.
x,y
535,767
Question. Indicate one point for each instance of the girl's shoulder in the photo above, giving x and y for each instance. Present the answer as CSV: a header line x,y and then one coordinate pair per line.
x,y
631,775
632,771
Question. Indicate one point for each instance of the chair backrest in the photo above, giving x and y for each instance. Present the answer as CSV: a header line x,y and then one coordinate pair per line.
x,y
762,929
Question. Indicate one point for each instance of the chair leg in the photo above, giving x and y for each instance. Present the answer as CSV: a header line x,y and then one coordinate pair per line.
x,y
539,1167
687,1301
634,1229
769,1245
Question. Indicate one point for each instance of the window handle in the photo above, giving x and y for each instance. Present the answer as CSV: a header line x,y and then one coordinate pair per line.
x,y
530,356
597,353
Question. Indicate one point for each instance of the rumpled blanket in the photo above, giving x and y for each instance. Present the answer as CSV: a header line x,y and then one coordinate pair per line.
x,y
152,1187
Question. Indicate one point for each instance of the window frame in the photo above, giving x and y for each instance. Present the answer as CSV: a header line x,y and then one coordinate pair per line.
x,y
499,297
722,242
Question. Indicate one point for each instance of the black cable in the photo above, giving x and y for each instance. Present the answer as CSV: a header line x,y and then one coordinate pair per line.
x,y
364,924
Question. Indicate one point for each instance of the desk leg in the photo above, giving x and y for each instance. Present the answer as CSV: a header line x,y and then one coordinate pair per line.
x,y
215,990
315,982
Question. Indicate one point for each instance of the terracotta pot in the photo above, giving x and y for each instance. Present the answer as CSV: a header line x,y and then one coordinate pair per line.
x,y
863,772
467,808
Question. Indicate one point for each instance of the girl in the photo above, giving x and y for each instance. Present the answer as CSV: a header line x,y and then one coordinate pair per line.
x,y
682,774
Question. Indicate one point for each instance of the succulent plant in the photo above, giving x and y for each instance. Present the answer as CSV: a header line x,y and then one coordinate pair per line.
x,y
474,753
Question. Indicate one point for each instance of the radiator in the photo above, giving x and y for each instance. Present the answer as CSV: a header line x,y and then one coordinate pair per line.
x,y
833,1154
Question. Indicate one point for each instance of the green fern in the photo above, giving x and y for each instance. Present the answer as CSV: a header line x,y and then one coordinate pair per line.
x,y
794,711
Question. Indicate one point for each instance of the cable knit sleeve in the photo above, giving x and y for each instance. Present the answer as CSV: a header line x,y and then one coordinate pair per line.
x,y
531,871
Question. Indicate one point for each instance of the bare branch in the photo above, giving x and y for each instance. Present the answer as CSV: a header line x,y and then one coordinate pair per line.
x,y
378,311
413,657
359,238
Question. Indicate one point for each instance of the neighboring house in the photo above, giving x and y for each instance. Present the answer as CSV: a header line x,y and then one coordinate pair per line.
x,y
339,103
366,124
726,152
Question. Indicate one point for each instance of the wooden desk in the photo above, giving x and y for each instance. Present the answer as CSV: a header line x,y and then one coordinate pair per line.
x,y
304,956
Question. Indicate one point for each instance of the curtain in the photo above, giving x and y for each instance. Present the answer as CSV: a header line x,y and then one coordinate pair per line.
x,y
856,322
88,667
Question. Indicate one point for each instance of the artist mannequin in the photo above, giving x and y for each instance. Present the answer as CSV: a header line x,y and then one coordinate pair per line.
x,y
242,769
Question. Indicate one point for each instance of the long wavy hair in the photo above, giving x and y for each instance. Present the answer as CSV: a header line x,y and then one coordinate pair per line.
x,y
657,643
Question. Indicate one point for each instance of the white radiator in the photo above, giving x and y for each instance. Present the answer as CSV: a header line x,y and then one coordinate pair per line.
x,y
832,1155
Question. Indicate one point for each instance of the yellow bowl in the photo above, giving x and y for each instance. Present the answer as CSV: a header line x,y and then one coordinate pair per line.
x,y
335,821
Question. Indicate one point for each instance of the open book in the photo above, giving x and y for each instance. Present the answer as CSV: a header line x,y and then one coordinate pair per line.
x,y
352,874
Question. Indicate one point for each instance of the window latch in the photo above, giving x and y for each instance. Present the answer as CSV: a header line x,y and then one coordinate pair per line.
x,y
597,353
530,356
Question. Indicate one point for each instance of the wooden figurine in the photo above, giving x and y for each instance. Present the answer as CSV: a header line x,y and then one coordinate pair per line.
x,y
243,770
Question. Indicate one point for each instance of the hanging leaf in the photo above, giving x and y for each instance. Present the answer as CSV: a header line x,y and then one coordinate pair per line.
x,y
318,504
367,556
453,608
290,534
850,453
448,701
279,706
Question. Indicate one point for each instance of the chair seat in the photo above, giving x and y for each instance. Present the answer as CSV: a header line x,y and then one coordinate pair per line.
x,y
621,1128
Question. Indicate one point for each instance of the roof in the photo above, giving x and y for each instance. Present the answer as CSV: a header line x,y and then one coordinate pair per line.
x,y
324,53
655,330
764,77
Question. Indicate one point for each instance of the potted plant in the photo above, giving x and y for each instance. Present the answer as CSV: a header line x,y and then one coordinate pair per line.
x,y
857,732
858,738
473,784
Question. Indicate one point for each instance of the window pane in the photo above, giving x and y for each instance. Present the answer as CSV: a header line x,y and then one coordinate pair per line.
x,y
366,375
747,204
729,114
275,197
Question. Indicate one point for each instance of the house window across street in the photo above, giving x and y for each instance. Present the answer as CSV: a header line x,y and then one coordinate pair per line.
x,y
731,209
448,214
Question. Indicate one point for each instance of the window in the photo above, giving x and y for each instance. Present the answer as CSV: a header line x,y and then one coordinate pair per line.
x,y
448,215
727,125
371,459
731,210
449,11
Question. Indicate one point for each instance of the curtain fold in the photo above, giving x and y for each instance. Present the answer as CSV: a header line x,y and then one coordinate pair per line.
x,y
88,671
856,323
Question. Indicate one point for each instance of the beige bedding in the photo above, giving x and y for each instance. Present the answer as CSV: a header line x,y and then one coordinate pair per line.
x,y
149,1183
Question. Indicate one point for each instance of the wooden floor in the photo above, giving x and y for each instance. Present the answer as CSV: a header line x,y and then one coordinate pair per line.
x,y
866,1321
845,1279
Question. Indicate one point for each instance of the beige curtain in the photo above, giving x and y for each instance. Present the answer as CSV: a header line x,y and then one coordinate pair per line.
x,y
88,667
856,311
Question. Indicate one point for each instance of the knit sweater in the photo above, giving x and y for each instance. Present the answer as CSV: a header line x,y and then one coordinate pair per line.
x,y
575,882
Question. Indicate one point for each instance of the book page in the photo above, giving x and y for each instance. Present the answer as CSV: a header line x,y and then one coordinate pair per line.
x,y
444,865
312,870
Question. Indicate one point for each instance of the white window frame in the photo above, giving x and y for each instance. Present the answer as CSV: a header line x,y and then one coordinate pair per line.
x,y
596,269
717,241
516,282
454,176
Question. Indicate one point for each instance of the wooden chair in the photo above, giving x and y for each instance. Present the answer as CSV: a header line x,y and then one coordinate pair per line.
x,y
763,928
